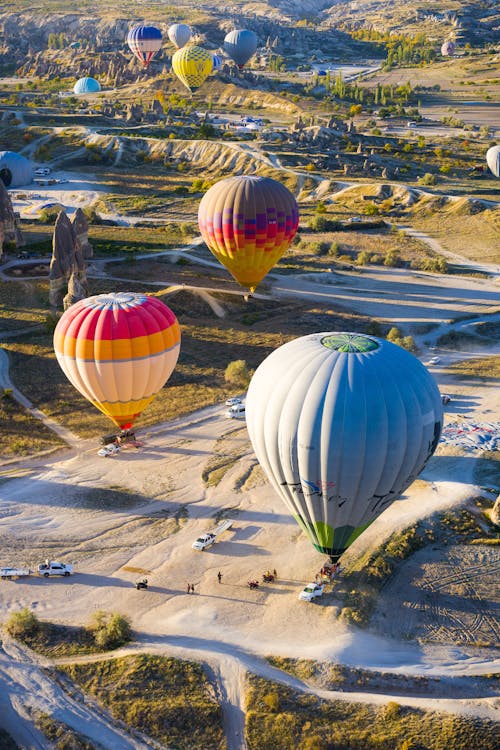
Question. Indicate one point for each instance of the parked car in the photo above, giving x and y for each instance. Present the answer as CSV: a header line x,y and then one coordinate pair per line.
x,y
236,411
233,401
53,568
108,450
445,398
204,541
42,171
311,591
434,361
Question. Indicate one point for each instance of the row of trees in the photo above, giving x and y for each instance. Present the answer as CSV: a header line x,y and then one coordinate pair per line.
x,y
56,41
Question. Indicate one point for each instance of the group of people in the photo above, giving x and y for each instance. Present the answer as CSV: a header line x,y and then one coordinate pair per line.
x,y
328,572
269,575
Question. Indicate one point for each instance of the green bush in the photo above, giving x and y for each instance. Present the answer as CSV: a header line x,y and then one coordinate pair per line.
x,y
237,373
23,625
110,630
428,179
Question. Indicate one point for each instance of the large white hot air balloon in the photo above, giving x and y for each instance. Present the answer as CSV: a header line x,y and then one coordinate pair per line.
x,y
493,159
342,424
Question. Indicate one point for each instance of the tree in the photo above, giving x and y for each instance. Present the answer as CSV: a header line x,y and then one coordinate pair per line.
x,y
23,624
110,630
237,373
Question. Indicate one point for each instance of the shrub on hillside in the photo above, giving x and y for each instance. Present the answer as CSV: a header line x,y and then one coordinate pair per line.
x,y
237,373
110,630
23,625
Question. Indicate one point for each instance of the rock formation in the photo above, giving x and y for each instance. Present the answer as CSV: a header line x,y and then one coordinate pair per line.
x,y
67,267
495,512
9,229
83,247
76,291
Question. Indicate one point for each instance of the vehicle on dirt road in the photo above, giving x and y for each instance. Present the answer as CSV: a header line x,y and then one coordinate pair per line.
x,y
434,361
54,568
9,573
206,540
233,401
111,449
312,591
237,411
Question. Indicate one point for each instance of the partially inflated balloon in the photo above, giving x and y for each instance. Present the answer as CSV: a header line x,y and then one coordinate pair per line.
x,y
447,48
144,42
192,65
216,62
248,223
179,34
342,424
118,350
86,86
493,160
240,45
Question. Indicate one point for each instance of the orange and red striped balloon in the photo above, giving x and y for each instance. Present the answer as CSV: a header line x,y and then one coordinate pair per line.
x,y
118,350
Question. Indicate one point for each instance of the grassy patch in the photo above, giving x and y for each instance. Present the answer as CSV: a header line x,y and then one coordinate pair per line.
x,y
480,368
105,632
60,735
167,699
22,434
279,718
332,676
366,576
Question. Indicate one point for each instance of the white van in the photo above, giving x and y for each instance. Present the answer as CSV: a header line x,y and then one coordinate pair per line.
x,y
236,411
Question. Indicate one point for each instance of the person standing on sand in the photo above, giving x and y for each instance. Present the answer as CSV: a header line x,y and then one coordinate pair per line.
x,y
189,588
192,588
219,576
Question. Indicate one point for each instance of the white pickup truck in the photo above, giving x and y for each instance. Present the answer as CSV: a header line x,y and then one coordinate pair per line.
x,y
206,540
52,568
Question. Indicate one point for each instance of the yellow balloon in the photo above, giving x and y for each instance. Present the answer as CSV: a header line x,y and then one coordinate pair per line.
x,y
192,65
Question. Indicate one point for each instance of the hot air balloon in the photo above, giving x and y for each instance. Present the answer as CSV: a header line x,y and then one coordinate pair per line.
x,y
342,424
192,65
179,34
240,45
144,42
86,86
248,223
118,350
447,48
217,62
493,159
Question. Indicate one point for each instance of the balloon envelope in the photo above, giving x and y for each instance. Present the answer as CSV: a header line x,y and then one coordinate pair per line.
x,y
493,159
144,42
248,223
179,34
216,62
240,45
447,48
86,86
192,65
342,423
118,350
